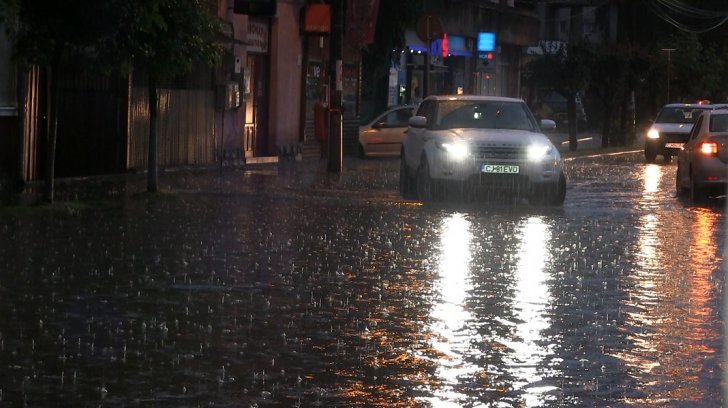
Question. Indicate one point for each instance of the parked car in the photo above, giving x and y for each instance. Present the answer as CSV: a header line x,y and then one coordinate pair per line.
x,y
670,130
383,135
473,144
554,106
702,163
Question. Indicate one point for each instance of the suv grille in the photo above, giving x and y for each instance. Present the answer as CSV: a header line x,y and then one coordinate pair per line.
x,y
492,152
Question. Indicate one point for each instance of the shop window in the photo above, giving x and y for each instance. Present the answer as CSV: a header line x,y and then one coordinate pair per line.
x,y
8,95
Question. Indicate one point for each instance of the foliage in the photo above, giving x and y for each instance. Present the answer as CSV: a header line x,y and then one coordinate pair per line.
x,y
44,30
611,64
563,68
167,36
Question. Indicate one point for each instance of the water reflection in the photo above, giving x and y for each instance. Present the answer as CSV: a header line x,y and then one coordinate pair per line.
x,y
451,334
651,177
531,298
676,308
454,327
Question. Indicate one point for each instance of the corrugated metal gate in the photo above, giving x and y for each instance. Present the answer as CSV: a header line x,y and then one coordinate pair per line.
x,y
185,127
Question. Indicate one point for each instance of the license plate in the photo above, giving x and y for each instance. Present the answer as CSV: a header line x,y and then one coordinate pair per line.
x,y
500,169
674,145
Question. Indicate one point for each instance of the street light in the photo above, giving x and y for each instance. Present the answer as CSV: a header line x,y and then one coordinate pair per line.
x,y
669,51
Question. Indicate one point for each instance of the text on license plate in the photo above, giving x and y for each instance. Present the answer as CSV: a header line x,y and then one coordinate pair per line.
x,y
499,169
674,145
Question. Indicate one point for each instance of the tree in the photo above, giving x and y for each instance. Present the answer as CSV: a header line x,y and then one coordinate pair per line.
x,y
563,68
165,38
610,65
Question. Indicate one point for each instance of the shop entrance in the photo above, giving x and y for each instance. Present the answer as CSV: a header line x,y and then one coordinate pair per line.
x,y
257,142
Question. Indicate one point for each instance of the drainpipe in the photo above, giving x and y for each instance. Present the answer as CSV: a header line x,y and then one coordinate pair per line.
x,y
336,88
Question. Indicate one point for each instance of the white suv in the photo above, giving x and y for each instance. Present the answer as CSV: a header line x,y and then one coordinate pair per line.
x,y
467,145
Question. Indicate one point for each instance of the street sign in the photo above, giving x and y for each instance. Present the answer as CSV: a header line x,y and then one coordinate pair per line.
x,y
428,28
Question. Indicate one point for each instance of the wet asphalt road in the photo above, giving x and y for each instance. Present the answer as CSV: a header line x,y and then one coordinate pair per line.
x,y
286,286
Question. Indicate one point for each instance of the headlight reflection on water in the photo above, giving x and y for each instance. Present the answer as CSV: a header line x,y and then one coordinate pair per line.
x,y
530,303
653,174
453,338
450,319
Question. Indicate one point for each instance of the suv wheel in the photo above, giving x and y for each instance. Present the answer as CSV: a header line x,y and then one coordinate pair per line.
x,y
427,188
406,184
680,191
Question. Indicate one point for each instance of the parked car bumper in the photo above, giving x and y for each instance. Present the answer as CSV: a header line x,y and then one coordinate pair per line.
x,y
710,172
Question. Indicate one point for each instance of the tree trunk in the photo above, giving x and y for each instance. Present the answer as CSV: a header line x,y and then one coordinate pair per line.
x,y
51,131
606,124
571,117
152,176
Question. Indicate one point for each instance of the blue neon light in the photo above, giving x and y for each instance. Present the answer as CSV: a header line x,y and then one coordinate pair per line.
x,y
486,41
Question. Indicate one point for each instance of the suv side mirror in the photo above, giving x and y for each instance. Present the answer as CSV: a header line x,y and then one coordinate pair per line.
x,y
547,124
418,121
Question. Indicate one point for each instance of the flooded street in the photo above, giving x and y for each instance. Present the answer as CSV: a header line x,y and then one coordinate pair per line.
x,y
283,286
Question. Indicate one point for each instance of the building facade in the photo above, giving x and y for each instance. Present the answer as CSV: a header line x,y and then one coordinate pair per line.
x,y
262,101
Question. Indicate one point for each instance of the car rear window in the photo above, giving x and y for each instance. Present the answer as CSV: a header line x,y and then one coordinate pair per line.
x,y
719,123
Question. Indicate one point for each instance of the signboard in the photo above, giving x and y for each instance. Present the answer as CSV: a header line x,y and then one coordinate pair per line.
x,y
392,94
317,18
428,28
486,42
257,36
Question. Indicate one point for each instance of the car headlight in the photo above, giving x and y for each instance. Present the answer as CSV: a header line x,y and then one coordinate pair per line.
x,y
456,151
538,152
653,134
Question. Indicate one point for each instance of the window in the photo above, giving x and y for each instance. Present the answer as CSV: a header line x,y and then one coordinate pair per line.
x,y
8,95
719,123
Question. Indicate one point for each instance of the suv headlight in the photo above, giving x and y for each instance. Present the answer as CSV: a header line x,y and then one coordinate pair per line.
x,y
653,134
538,152
456,151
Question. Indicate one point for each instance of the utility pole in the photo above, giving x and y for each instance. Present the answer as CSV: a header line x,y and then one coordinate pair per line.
x,y
336,87
669,52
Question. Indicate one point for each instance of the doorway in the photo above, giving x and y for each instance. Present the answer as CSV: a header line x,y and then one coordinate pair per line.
x,y
257,142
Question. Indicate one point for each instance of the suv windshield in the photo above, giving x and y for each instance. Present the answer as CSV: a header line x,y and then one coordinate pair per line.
x,y
484,115
679,115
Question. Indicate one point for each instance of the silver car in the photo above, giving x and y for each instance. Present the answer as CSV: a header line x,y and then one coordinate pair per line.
x,y
470,145
702,164
669,132
383,135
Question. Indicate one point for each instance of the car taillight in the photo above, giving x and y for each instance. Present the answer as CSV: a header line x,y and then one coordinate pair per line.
x,y
709,148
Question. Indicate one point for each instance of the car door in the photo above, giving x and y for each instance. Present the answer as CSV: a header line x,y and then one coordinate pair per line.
x,y
415,138
394,125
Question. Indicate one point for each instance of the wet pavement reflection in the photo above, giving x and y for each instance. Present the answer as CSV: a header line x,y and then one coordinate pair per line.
x,y
287,286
